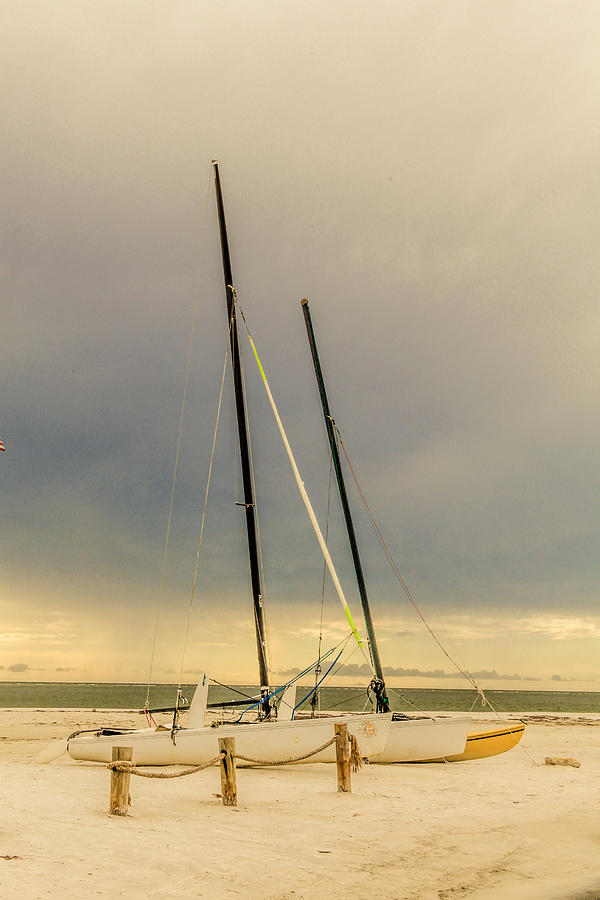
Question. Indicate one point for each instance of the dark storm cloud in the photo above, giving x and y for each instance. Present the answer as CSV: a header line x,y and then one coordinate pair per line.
x,y
426,176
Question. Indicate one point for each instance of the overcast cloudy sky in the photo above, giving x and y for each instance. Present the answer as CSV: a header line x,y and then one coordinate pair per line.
x,y
426,173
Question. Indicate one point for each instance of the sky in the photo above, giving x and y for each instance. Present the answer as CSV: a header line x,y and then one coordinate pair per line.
x,y
426,174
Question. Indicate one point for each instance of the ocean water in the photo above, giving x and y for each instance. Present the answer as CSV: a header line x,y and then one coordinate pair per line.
x,y
56,694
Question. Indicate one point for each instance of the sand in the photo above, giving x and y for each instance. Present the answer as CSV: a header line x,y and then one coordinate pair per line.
x,y
505,827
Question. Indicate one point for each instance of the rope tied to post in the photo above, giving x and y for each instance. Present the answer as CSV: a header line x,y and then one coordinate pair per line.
x,y
291,759
347,754
356,761
125,766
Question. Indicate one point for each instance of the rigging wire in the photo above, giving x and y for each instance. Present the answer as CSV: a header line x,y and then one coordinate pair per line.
x,y
345,661
485,701
203,520
410,702
315,699
463,670
313,691
341,666
283,687
171,502
175,468
332,706
230,688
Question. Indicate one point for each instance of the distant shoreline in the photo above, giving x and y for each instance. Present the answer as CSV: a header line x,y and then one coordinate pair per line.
x,y
132,695
342,687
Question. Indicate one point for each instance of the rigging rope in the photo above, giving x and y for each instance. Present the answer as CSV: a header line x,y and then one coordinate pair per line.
x,y
233,690
485,701
315,699
175,466
463,671
208,482
496,712
410,702
171,501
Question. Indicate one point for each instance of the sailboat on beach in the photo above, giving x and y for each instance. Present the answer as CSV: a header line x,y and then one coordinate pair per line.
x,y
478,744
265,730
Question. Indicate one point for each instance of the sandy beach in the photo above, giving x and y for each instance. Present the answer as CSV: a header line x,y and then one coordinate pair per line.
x,y
506,827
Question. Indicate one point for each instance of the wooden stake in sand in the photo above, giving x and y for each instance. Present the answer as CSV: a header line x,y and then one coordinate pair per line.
x,y
119,782
228,779
342,758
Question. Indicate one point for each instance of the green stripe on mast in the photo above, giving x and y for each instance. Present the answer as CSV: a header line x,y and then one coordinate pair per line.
x,y
309,509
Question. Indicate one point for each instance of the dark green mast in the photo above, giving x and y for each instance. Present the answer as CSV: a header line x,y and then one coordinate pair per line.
x,y
242,423
378,683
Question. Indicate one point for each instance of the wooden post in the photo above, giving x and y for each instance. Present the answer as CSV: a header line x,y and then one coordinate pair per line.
x,y
342,758
228,780
119,782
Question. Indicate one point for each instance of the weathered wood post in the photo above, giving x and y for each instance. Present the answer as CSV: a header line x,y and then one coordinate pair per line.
x,y
119,782
228,780
342,757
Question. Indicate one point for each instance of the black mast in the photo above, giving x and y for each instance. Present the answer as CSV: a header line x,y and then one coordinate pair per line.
x,y
378,683
240,405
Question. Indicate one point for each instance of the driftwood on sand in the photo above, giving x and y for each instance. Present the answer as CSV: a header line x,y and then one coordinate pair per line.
x,y
562,761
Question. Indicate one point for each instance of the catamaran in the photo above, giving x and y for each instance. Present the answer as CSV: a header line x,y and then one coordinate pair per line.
x,y
277,731
268,730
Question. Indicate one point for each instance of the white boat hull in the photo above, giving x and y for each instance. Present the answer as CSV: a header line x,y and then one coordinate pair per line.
x,y
413,740
266,741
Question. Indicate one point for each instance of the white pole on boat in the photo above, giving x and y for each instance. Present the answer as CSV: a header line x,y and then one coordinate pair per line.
x,y
310,511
